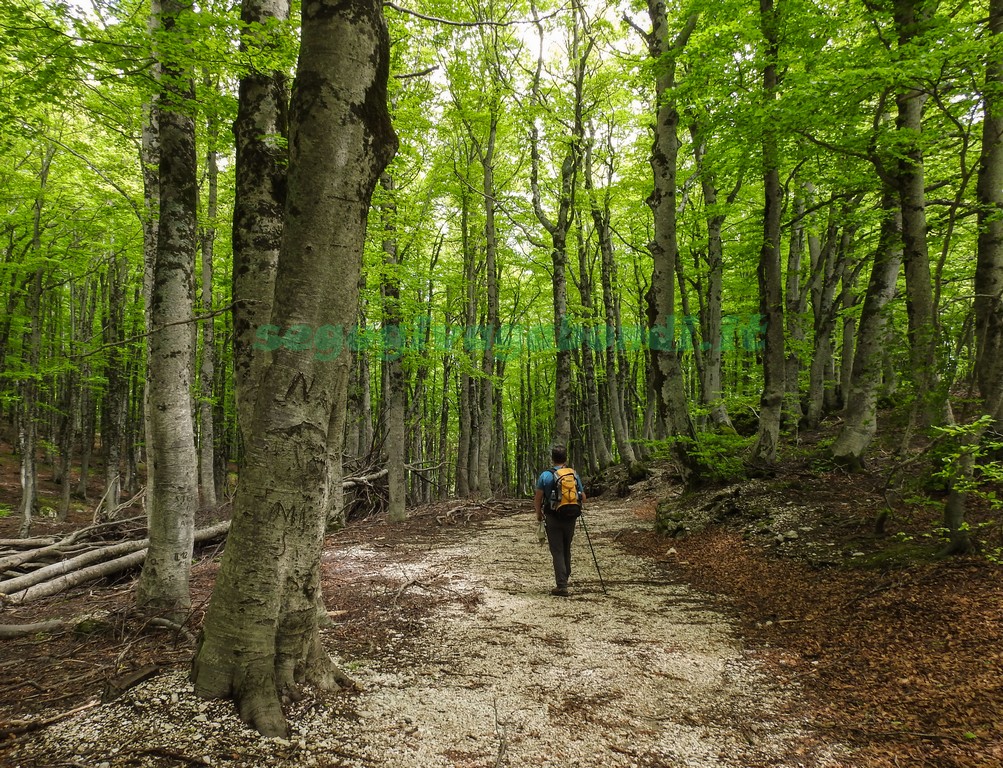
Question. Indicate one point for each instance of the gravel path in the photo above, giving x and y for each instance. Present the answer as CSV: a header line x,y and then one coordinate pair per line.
x,y
497,673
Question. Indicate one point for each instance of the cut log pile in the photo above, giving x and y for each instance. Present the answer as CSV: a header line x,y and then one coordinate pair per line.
x,y
31,569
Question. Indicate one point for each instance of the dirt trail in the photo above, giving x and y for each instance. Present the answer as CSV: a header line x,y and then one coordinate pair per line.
x,y
496,672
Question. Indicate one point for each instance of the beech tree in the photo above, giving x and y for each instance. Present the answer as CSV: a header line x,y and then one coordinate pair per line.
x,y
173,465
261,631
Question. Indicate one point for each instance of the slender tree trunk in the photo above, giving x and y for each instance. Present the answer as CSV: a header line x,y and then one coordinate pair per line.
x,y
261,631
860,415
486,434
601,220
393,363
30,390
564,332
116,395
207,438
769,272
173,464
88,307
466,407
668,380
989,261
911,16
711,385
826,268
794,298
596,435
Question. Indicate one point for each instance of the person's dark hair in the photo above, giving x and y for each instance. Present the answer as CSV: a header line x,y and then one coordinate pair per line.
x,y
559,454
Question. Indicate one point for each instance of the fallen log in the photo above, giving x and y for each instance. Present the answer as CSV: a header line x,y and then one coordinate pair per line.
x,y
65,566
351,482
9,631
111,567
16,727
55,546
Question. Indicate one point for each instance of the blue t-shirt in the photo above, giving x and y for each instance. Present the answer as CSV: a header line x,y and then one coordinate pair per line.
x,y
545,483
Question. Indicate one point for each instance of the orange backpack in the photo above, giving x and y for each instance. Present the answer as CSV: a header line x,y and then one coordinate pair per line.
x,y
564,496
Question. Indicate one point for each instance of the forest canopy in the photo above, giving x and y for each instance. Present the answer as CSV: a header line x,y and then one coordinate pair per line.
x,y
681,229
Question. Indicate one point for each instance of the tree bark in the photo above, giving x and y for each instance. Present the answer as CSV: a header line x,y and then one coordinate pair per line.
x,y
769,272
172,464
393,363
261,631
860,415
711,385
911,16
668,377
206,437
486,434
989,260
30,391
116,395
260,195
558,230
601,220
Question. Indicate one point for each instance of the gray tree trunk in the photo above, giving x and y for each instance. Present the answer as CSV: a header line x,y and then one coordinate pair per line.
x,y
601,220
910,18
466,406
207,368
486,433
261,631
172,462
28,428
595,433
558,230
260,184
668,378
794,305
116,395
769,272
711,385
393,363
989,261
860,414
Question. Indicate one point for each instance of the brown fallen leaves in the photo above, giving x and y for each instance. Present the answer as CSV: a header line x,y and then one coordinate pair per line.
x,y
904,666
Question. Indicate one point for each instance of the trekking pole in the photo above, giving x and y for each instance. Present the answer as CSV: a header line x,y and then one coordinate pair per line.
x,y
594,559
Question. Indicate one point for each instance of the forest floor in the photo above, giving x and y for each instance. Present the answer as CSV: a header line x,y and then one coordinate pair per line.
x,y
783,634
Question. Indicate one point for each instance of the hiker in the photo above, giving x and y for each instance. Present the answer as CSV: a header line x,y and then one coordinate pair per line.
x,y
559,496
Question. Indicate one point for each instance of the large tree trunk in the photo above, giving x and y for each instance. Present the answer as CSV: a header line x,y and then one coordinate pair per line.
x,y
989,264
860,415
769,272
668,377
172,464
261,630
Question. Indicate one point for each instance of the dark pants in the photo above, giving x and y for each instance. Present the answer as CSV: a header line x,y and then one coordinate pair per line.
x,y
560,532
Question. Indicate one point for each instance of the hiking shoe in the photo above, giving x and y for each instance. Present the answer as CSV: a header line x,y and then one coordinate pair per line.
x,y
560,592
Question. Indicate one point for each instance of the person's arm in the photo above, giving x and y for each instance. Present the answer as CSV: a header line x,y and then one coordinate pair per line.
x,y
538,503
581,488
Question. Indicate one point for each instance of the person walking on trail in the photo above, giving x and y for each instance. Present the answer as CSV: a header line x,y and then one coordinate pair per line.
x,y
558,499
